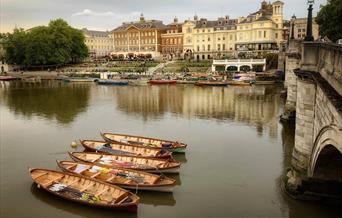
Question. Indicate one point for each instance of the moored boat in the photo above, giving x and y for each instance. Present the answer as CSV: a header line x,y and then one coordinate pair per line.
x,y
239,83
162,82
146,164
125,149
79,79
211,83
84,190
172,146
125,178
112,82
8,78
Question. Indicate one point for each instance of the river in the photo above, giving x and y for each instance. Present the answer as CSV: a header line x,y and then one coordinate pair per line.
x,y
237,149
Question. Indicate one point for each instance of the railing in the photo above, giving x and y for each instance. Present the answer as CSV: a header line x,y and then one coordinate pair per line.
x,y
239,61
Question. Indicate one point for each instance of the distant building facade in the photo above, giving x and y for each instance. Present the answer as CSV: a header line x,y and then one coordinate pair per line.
x,y
138,39
258,33
214,39
300,25
261,31
98,42
172,41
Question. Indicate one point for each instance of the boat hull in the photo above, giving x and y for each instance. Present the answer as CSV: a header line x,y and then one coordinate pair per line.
x,y
112,83
222,84
154,189
162,82
168,170
172,149
132,207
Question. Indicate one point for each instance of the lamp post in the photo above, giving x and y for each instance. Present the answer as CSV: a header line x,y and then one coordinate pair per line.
x,y
309,36
292,26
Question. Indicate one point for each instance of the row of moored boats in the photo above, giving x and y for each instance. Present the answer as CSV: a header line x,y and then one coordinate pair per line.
x,y
100,175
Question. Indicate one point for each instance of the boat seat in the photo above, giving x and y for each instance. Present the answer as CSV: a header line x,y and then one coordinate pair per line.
x,y
96,159
46,184
71,165
121,198
101,192
96,174
110,178
86,187
39,175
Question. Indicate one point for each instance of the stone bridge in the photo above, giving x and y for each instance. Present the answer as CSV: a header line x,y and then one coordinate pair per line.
x,y
314,100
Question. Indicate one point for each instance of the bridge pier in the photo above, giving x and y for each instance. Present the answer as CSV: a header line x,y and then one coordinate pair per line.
x,y
292,62
316,165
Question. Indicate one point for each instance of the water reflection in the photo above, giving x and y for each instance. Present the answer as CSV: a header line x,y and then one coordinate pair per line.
x,y
50,100
257,105
157,198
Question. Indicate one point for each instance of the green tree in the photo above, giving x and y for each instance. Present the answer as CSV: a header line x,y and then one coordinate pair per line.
x,y
329,19
55,44
271,61
14,45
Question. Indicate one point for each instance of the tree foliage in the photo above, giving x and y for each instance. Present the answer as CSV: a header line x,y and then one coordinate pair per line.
x,y
271,61
329,19
55,44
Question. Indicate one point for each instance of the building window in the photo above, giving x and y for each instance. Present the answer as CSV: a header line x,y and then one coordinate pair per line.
x,y
276,35
223,47
208,47
198,48
264,34
208,39
218,47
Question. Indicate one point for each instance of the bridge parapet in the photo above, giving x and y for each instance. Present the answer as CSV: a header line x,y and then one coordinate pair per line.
x,y
325,58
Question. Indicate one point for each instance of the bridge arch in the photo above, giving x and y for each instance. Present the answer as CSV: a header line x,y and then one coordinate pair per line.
x,y
326,157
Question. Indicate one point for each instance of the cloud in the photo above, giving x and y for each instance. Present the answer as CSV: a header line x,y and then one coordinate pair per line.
x,y
89,13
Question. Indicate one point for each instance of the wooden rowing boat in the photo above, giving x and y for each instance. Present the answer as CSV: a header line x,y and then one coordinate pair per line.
x,y
211,83
125,149
162,82
125,178
112,82
8,78
84,190
172,146
151,165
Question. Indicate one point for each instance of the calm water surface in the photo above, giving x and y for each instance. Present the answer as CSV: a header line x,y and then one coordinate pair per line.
x,y
237,149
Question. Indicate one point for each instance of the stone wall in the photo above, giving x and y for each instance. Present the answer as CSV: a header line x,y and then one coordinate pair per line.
x,y
292,62
305,113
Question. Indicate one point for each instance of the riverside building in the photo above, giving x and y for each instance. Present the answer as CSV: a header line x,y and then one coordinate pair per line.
x,y
259,33
172,41
138,39
98,42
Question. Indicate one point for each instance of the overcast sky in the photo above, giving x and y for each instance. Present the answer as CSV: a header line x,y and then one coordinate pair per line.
x,y
107,14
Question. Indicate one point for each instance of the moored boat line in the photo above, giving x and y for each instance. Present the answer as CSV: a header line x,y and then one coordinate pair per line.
x,y
112,82
125,178
84,190
162,82
152,165
173,146
125,149
211,83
